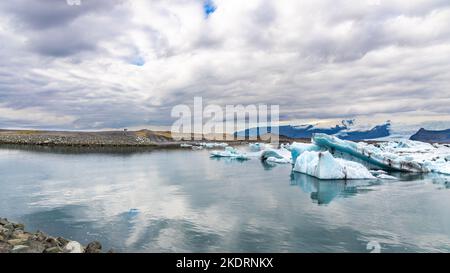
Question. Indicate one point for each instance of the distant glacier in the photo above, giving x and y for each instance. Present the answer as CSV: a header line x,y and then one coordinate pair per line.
x,y
346,130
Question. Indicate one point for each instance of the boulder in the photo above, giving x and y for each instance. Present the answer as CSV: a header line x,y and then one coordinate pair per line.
x,y
20,249
18,226
37,246
51,242
5,247
73,247
54,249
94,247
19,234
15,242
62,242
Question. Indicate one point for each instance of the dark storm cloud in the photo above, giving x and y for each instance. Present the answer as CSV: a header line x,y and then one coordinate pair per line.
x,y
57,29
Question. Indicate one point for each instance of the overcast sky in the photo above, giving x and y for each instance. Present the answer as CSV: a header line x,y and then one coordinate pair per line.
x,y
117,63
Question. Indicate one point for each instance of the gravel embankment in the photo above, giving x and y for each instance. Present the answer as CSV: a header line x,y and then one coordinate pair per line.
x,y
112,138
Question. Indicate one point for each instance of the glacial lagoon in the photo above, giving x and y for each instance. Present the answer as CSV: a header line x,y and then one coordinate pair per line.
x,y
179,200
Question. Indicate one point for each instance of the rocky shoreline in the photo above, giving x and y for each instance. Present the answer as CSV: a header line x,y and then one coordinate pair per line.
x,y
68,138
14,239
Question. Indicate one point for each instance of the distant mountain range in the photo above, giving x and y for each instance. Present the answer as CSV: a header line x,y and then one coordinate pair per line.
x,y
442,136
347,130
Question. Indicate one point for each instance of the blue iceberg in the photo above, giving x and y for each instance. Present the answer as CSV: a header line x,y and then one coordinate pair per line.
x,y
324,166
369,153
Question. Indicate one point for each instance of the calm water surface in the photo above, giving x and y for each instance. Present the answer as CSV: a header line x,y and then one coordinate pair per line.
x,y
181,200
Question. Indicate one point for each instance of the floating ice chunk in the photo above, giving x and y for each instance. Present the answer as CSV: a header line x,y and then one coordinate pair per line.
x,y
298,148
185,145
377,172
210,145
281,154
285,146
278,160
229,152
370,154
324,166
256,147
439,167
386,177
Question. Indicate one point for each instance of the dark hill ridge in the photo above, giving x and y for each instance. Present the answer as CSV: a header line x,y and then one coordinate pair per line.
x,y
442,136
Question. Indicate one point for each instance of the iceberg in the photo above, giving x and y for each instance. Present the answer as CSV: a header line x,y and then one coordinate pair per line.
x,y
282,155
324,166
403,155
278,160
210,145
386,177
256,147
377,156
229,152
297,149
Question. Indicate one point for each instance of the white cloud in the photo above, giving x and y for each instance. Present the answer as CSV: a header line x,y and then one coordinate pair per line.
x,y
317,59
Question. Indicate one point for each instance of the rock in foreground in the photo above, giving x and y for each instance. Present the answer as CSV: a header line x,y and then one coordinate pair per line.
x,y
14,239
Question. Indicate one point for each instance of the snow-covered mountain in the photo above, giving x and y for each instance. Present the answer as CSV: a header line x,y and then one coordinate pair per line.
x,y
348,129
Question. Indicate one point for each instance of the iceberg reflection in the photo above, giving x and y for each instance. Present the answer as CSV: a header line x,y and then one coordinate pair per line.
x,y
323,192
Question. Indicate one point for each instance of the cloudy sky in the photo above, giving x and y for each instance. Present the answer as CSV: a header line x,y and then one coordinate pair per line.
x,y
117,63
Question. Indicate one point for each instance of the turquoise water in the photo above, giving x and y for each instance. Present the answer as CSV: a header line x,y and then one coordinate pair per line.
x,y
183,201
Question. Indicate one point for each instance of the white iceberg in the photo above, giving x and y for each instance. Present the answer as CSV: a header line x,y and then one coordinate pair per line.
x,y
210,145
229,152
297,149
278,160
256,147
324,166
386,177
